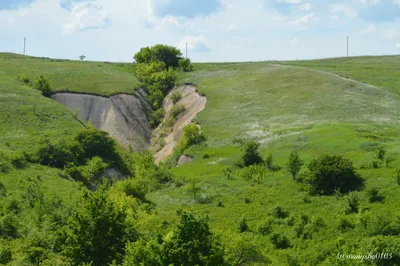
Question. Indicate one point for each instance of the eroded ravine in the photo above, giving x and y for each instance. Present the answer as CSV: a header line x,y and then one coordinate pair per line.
x,y
126,117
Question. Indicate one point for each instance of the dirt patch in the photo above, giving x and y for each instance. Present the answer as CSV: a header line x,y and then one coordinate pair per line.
x,y
123,116
193,103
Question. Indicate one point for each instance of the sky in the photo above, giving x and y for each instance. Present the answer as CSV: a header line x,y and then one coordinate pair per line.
x,y
215,30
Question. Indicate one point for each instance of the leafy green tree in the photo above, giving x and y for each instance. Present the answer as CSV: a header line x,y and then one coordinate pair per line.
x,y
43,85
330,172
186,65
143,253
169,55
192,243
251,154
294,164
82,57
242,250
191,135
96,231
5,254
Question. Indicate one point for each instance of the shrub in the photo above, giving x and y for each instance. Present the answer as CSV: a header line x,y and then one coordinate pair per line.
x,y
269,162
396,175
176,97
352,202
43,85
345,225
279,212
330,172
243,227
380,153
177,110
205,155
9,226
266,228
251,154
24,79
373,195
228,173
254,172
5,255
3,190
280,241
156,117
36,255
19,160
294,164
191,135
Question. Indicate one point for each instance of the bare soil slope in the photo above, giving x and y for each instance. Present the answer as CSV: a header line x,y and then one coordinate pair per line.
x,y
123,116
193,103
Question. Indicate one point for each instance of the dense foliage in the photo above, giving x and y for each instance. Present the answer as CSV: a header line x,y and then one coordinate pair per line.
x,y
156,70
43,85
331,172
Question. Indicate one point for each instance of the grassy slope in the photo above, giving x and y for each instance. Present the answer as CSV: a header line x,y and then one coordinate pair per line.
x,y
381,71
286,108
95,77
283,107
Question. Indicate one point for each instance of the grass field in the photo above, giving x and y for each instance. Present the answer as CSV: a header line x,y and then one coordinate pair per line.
x,y
103,78
285,106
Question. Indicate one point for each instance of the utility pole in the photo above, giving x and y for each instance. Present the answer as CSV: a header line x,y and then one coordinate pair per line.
x,y
347,46
24,44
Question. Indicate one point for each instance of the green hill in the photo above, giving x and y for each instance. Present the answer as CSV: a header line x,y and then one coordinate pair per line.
x,y
307,106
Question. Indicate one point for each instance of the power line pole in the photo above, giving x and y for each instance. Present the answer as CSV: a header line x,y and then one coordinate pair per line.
x,y
347,46
24,44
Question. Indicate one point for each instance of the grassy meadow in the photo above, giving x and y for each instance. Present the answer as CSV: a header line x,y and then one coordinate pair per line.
x,y
285,106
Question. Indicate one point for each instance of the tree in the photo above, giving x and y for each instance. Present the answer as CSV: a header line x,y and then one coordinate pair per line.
x,y
294,164
43,85
251,154
169,55
330,172
193,187
96,231
192,243
186,65
82,57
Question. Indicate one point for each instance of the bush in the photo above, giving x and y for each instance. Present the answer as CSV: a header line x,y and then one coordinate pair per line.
x,y
43,85
5,255
176,97
251,154
254,172
330,172
352,202
177,110
396,175
278,212
294,164
3,190
243,227
265,228
24,79
191,135
373,195
156,117
280,241
36,255
228,173
269,162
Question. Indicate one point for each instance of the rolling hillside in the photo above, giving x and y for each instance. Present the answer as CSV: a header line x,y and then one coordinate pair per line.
x,y
306,106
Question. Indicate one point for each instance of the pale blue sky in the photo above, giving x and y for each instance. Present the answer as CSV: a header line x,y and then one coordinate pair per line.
x,y
216,30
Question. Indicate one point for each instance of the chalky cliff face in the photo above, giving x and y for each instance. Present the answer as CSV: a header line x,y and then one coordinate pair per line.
x,y
123,116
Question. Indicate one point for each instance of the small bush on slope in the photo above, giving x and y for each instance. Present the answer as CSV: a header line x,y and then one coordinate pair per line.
x,y
43,85
251,154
